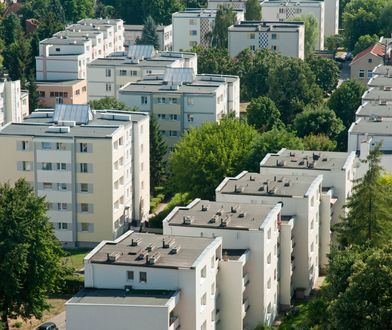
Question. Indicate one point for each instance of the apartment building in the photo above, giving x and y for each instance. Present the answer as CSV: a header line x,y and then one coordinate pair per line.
x,y
374,112
363,64
375,95
236,4
14,102
181,100
191,27
72,155
107,75
300,200
287,10
147,281
337,168
248,274
118,30
286,38
62,92
165,36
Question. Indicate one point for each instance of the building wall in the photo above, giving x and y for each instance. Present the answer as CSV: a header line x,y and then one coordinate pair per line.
x,y
331,17
362,69
286,289
76,93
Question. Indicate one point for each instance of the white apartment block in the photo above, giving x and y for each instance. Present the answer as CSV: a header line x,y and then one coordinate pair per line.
x,y
337,168
181,100
118,29
300,200
192,26
286,38
146,281
236,4
377,95
287,10
331,17
165,36
374,112
14,102
107,75
93,168
248,274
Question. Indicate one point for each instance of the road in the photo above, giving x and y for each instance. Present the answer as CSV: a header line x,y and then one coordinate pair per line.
x,y
59,320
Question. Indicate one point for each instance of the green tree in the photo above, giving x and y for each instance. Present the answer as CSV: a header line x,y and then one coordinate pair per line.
x,y
369,219
209,153
346,99
158,151
326,72
33,93
271,141
78,9
161,10
292,85
263,114
213,60
311,32
386,22
225,17
18,60
365,42
253,10
11,29
149,34
320,119
334,42
109,103
104,11
30,263
319,142
362,17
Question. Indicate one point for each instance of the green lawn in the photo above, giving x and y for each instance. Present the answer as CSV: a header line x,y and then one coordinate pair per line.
x,y
74,257
296,320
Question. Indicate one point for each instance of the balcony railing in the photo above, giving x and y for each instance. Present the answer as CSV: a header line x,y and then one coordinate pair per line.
x,y
245,307
245,281
174,322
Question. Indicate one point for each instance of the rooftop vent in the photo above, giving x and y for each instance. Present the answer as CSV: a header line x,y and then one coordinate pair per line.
x,y
238,189
150,248
204,207
292,154
324,159
252,178
135,242
242,215
219,212
153,259
114,256
213,219
287,184
166,244
175,249
316,156
234,209
187,220
280,163
59,129
225,221
272,191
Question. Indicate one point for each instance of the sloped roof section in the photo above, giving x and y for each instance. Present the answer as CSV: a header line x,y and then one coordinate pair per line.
x,y
178,75
79,113
377,49
139,52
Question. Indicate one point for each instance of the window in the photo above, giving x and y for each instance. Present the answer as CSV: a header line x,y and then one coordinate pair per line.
x,y
269,308
84,89
46,145
144,100
108,73
252,36
130,275
190,101
26,166
173,133
57,49
193,32
83,147
213,316
274,36
269,234
203,272
204,326
61,166
84,187
369,74
123,72
192,22
274,47
41,94
62,206
212,261
173,117
204,300
269,283
84,167
84,207
25,145
252,48
312,224
84,226
108,87
143,277
77,92
61,186
60,146
269,259
47,166
62,226
47,185
312,247
361,74
212,289
370,60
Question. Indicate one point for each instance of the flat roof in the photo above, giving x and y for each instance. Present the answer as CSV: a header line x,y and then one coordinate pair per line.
x,y
265,26
60,82
368,109
221,215
138,249
64,41
303,159
363,126
375,94
233,254
121,297
292,3
101,20
380,81
383,69
268,185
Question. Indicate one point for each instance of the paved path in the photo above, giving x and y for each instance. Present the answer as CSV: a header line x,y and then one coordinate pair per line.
x,y
59,320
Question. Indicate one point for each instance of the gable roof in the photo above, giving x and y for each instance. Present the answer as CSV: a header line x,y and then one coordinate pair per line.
x,y
377,49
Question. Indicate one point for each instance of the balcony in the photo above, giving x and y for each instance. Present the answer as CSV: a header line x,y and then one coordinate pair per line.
x,y
174,322
245,281
217,316
245,307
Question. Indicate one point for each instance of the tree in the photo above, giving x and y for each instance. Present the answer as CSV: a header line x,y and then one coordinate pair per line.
x,y
158,150
76,10
253,10
311,32
271,141
18,60
346,99
33,93
225,17
209,153
320,119
213,60
149,34
326,72
362,17
11,29
292,85
30,263
334,42
386,23
369,219
161,10
104,11
109,103
263,114
319,142
364,42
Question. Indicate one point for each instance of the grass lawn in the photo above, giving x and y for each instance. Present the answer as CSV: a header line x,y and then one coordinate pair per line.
x,y
296,319
74,257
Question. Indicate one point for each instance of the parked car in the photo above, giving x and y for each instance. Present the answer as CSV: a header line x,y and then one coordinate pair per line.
x,y
48,326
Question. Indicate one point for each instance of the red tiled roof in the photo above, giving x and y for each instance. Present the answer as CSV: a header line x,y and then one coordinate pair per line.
x,y
377,49
12,8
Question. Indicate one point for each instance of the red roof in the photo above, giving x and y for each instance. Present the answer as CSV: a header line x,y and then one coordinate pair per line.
x,y
377,49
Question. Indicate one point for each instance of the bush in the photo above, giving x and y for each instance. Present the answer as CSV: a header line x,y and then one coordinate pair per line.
x,y
18,325
72,284
155,201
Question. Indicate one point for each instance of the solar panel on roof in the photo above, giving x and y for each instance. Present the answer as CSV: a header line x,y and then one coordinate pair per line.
x,y
179,75
79,113
139,52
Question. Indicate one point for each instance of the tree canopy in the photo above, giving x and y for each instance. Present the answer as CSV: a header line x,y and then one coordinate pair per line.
x,y
225,17
253,10
109,103
263,114
365,42
149,34
311,32
326,71
319,142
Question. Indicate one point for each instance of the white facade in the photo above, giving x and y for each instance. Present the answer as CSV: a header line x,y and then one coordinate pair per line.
x,y
191,27
14,102
164,32
331,17
236,4
286,38
247,280
140,286
287,10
